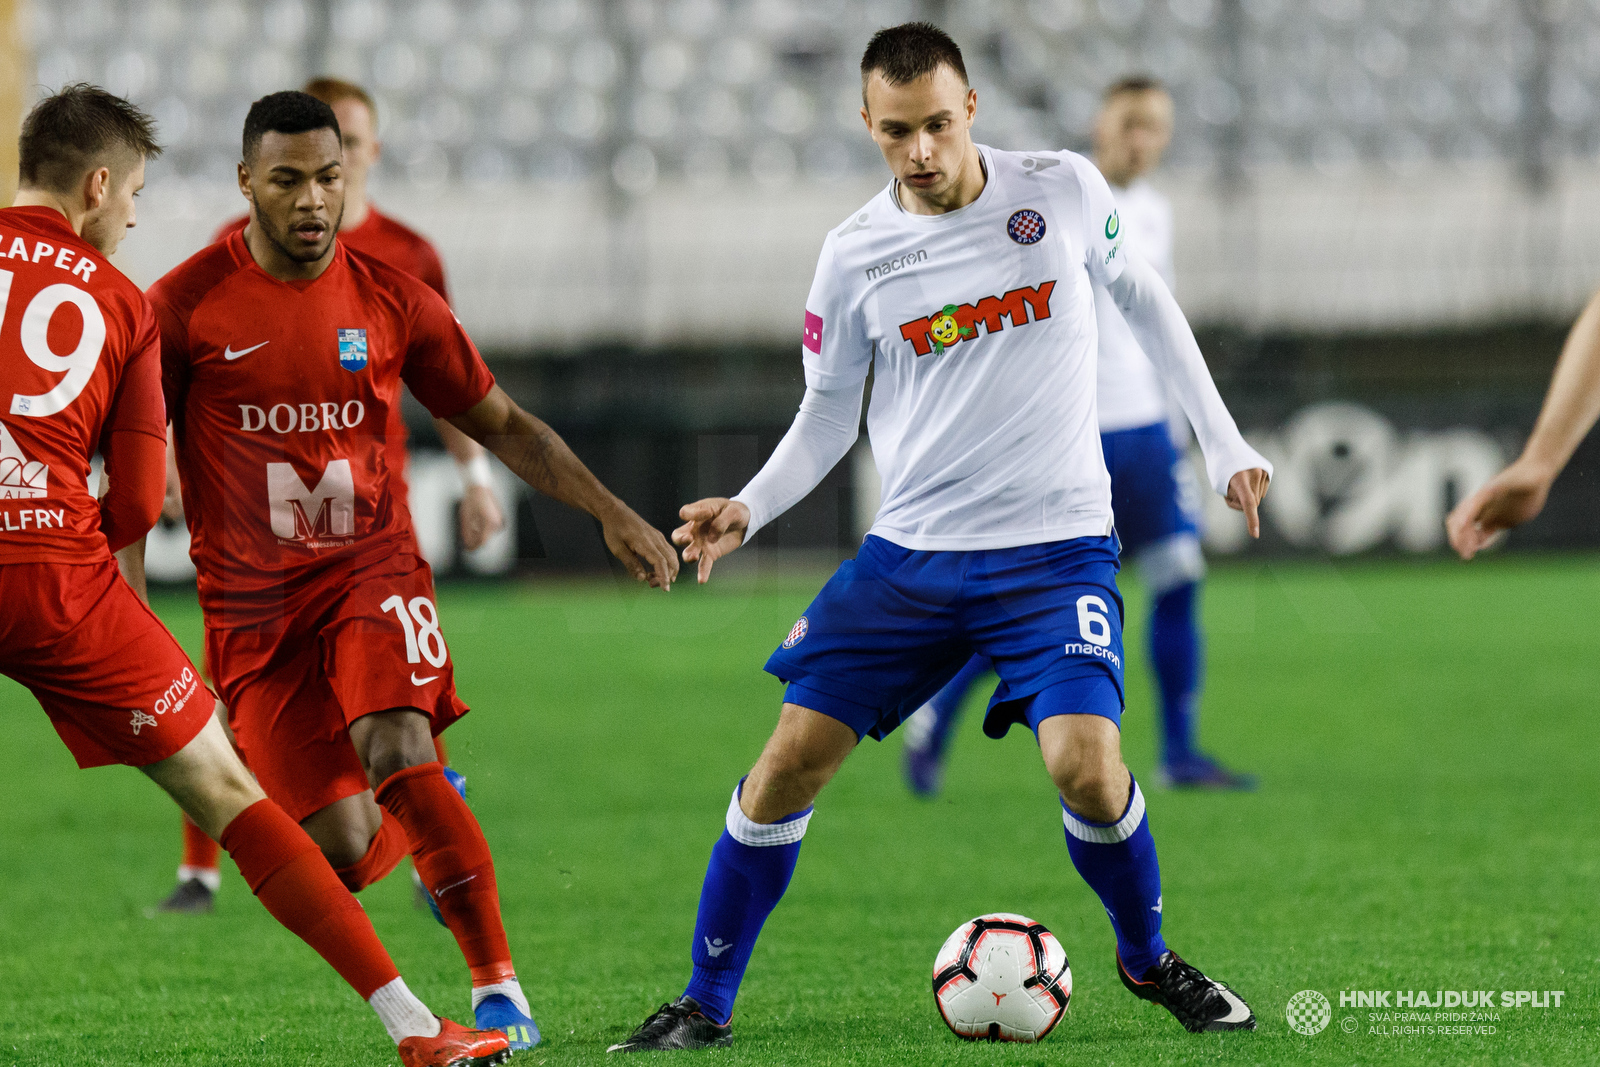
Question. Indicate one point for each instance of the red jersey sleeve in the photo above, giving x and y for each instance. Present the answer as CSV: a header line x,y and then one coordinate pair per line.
x,y
442,366
138,405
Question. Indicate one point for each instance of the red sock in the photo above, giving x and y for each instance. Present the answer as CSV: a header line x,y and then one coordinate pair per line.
x,y
439,749
285,869
199,851
453,859
389,846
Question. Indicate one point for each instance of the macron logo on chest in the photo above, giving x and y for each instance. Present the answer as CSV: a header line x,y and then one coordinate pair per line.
x,y
1015,305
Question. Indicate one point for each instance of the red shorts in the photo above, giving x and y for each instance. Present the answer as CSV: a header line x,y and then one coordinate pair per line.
x,y
364,641
114,682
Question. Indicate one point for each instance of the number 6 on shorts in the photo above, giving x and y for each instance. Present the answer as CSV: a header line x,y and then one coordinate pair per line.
x,y
423,639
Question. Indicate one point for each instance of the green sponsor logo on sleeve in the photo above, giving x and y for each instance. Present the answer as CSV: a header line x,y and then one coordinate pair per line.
x,y
1113,226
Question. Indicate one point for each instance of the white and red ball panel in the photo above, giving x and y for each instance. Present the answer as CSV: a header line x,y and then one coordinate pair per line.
x,y
1001,977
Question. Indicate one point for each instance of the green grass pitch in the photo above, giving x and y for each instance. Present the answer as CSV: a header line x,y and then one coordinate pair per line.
x,y
1429,818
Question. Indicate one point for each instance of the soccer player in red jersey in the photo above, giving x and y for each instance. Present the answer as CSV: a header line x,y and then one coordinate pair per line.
x,y
283,354
80,360
1571,406
367,230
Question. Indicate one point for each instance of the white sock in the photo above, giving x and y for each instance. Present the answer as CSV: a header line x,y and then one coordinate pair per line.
x,y
402,1013
210,877
510,987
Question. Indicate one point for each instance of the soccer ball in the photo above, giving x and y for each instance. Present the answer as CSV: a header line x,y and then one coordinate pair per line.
x,y
1001,977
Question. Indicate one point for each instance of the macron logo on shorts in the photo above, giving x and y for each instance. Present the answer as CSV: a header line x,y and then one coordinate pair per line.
x,y
812,337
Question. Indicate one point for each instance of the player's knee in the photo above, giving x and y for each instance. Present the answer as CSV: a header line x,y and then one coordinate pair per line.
x,y
390,742
342,846
1094,785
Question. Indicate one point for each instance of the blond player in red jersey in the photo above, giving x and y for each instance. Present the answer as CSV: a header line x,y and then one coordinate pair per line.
x,y
283,354
80,368
367,230
1517,494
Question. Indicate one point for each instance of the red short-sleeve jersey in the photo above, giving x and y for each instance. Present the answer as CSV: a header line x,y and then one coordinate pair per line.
x,y
390,241
80,357
283,395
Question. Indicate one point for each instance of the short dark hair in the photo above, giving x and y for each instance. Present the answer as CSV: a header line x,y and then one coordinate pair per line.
x,y
1133,83
77,129
290,111
332,90
904,53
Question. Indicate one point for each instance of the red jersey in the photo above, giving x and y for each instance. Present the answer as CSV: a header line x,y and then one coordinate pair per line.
x,y
80,359
388,241
282,395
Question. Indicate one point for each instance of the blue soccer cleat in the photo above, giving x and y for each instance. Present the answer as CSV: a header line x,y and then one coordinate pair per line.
x,y
497,1012
1204,773
458,782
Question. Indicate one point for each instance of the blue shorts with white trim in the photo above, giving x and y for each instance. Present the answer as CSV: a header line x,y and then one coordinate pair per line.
x,y
1153,494
893,625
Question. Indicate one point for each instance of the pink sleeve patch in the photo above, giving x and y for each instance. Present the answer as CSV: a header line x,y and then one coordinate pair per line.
x,y
812,338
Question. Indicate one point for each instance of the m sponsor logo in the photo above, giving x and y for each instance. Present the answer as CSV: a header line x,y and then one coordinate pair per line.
x,y
1016,305
312,516
717,947
302,418
889,266
20,477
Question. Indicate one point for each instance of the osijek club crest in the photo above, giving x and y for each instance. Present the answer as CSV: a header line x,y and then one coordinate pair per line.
x,y
353,350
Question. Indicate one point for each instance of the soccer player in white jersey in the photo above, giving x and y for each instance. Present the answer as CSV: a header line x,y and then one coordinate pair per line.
x,y
1153,494
966,287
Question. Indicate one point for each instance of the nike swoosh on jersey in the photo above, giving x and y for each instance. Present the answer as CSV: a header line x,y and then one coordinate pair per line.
x,y
229,353
422,681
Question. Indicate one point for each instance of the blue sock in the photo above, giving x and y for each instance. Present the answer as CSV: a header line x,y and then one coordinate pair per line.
x,y
1175,656
1118,860
947,703
751,865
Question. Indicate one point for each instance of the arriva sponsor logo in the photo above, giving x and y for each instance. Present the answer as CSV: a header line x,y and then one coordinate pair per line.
x,y
177,695
889,266
1014,305
301,418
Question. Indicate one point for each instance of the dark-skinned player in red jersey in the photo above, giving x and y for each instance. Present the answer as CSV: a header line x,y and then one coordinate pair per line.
x,y
80,371
367,230
283,353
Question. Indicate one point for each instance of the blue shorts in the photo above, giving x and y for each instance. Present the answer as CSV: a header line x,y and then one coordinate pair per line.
x,y
1152,489
893,625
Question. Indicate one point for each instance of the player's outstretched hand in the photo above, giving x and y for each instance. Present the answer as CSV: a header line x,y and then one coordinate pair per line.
x,y
712,528
1246,490
481,517
1509,499
640,546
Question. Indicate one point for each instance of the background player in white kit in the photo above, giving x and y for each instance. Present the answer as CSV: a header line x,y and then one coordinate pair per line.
x,y
965,286
1153,494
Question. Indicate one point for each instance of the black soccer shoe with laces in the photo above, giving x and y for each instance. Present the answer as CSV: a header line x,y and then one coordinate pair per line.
x,y
1198,1002
680,1024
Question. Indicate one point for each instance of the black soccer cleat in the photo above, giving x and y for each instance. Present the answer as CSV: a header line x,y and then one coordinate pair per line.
x,y
1198,1002
192,897
680,1024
